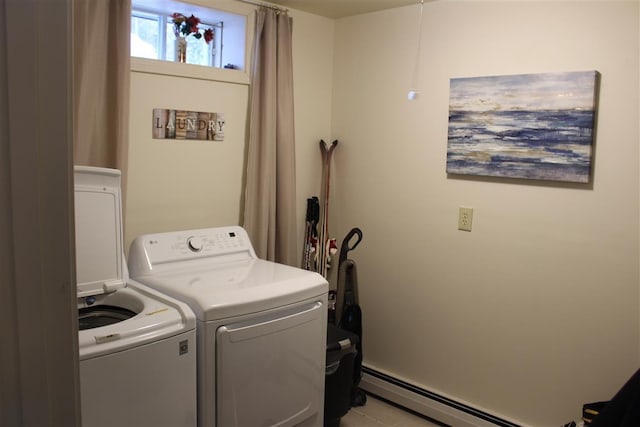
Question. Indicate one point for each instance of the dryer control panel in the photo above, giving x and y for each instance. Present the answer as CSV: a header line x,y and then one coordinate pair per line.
x,y
223,244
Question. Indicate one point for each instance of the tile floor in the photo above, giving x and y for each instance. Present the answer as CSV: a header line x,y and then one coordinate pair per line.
x,y
377,413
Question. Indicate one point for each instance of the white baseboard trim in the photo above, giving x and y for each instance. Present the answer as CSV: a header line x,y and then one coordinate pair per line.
x,y
429,404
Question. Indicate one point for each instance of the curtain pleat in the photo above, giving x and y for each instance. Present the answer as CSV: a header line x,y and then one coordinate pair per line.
x,y
101,67
270,193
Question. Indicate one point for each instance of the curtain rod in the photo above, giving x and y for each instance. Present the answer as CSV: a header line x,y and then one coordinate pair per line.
x,y
269,6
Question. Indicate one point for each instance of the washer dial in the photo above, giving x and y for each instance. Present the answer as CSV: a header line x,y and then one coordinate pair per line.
x,y
195,244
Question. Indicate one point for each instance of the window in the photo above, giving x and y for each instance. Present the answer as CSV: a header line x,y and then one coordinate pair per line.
x,y
145,35
153,35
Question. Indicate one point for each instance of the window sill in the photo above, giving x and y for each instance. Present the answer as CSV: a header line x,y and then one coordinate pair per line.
x,y
189,71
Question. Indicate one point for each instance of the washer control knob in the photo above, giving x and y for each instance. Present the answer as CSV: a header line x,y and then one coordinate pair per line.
x,y
195,244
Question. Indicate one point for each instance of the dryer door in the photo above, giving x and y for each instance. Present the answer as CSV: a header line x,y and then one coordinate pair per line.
x,y
270,369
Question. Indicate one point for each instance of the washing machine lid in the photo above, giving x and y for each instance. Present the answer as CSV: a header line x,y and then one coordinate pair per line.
x,y
237,288
100,265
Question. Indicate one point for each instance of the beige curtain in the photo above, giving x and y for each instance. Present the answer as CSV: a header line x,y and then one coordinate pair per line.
x,y
101,66
270,194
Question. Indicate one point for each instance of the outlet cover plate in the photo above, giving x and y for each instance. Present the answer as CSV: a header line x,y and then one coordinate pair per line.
x,y
465,219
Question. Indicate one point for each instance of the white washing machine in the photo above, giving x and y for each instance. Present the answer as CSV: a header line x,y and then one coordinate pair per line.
x,y
261,325
137,346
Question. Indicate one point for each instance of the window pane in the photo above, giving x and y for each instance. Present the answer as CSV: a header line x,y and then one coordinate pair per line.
x,y
144,37
171,43
198,49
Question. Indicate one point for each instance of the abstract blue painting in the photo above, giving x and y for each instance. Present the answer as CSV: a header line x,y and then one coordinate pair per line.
x,y
532,126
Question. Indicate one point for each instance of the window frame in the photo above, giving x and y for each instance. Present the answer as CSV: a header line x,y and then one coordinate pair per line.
x,y
238,40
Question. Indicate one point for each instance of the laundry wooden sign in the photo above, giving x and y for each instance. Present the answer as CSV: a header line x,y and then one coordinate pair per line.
x,y
180,124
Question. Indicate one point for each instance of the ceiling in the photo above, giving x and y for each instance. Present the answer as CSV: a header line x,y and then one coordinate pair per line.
x,y
341,8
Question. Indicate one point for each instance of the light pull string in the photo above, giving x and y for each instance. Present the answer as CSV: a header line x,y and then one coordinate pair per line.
x,y
413,91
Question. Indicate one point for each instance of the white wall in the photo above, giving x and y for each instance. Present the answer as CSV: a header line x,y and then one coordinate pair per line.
x,y
536,311
175,185
312,85
178,185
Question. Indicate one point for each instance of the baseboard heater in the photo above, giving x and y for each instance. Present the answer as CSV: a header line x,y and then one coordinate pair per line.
x,y
427,403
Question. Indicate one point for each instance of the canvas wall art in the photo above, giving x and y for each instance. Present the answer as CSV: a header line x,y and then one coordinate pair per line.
x,y
192,125
531,126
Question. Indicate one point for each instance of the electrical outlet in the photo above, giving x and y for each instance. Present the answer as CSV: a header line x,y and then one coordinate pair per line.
x,y
465,219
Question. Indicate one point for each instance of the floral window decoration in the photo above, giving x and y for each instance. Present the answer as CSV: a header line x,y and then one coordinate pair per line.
x,y
184,27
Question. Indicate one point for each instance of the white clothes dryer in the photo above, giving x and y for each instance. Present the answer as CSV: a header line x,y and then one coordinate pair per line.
x,y
137,345
261,325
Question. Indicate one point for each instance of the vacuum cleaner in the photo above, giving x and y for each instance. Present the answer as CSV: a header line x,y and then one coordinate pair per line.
x,y
344,339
